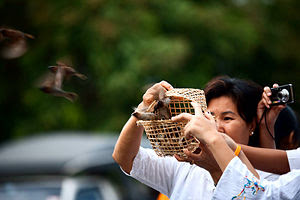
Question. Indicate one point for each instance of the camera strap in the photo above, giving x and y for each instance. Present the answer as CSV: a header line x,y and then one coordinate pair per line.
x,y
264,115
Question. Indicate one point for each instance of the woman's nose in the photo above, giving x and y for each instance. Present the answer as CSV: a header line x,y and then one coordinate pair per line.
x,y
220,126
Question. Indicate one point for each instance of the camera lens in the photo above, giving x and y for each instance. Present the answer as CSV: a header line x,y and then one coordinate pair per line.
x,y
284,95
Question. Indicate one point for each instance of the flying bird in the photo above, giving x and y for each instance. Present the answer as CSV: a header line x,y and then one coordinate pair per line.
x,y
67,70
53,82
13,43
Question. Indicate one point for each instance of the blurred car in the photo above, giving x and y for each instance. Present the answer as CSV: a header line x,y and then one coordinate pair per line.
x,y
66,166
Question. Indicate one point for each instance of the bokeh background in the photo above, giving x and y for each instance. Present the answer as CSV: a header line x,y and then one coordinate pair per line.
x,y
123,46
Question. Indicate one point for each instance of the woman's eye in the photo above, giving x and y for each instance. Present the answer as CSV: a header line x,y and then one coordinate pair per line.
x,y
228,118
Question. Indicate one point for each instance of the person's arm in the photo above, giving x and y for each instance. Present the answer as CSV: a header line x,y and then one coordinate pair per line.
x,y
237,182
128,144
224,154
206,160
130,137
220,150
231,143
266,116
269,160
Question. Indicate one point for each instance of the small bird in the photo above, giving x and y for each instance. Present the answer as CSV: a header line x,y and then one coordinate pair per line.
x,y
13,34
52,83
71,96
68,70
157,110
13,43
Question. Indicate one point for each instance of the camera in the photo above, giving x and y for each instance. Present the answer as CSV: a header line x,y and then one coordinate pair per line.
x,y
282,95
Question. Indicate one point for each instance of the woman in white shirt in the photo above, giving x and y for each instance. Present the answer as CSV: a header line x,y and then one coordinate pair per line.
x,y
164,174
174,178
239,180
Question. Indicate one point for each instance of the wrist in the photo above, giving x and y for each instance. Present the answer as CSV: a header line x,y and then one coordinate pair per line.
x,y
214,141
238,150
265,129
132,123
141,106
264,124
221,151
229,141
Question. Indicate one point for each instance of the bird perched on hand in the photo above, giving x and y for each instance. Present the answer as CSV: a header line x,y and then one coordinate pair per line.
x,y
52,83
13,43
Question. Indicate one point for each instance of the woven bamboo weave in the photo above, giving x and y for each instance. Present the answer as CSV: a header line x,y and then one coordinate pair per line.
x,y
166,136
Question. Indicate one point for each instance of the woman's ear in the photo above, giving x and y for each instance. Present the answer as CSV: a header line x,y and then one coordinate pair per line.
x,y
252,127
291,142
291,137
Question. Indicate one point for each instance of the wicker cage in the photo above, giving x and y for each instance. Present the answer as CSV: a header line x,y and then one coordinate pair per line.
x,y
166,136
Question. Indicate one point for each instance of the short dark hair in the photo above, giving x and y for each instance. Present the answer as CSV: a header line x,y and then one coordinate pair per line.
x,y
287,122
245,94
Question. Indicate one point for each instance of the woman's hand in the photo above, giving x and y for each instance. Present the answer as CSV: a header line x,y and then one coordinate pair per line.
x,y
265,102
219,146
203,159
157,91
202,126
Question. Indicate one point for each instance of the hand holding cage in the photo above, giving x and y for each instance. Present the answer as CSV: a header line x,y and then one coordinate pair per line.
x,y
167,137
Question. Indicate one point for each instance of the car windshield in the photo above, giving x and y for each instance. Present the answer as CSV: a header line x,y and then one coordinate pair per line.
x,y
25,191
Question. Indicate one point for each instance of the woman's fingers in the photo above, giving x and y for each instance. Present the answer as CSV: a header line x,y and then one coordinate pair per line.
x,y
266,100
152,93
266,96
265,103
187,130
182,117
199,112
278,108
156,91
181,159
275,85
197,108
192,156
267,90
209,116
166,85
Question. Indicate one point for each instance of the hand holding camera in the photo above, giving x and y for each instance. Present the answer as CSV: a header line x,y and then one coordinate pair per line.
x,y
273,101
278,95
282,95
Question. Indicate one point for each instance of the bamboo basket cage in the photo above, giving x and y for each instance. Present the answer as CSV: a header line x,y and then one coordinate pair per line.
x,y
166,137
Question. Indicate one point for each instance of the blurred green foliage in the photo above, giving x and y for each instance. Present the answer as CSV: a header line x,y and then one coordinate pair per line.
x,y
125,45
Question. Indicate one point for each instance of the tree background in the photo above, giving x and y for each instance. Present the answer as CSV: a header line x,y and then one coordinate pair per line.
x,y
123,46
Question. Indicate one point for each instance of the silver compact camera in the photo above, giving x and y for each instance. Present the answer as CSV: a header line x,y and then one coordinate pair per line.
x,y
282,95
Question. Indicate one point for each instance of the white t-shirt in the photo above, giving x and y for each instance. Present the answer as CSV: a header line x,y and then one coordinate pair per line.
x,y
177,180
294,158
237,182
